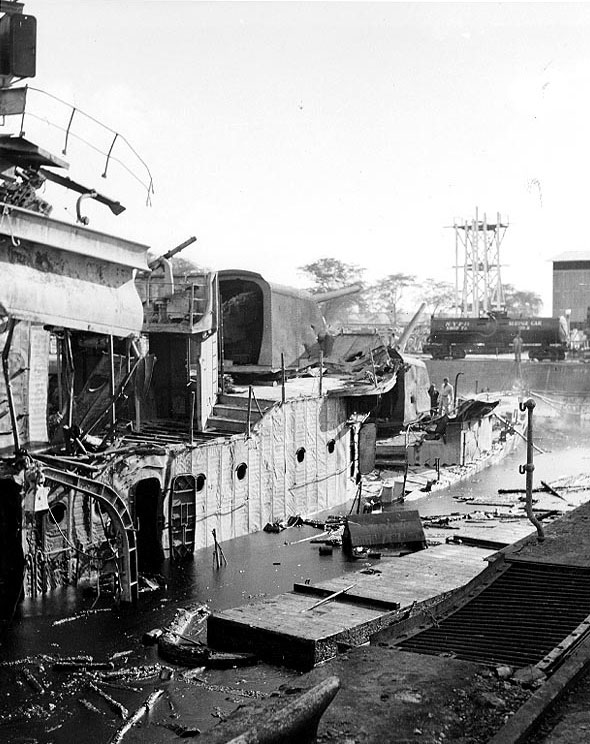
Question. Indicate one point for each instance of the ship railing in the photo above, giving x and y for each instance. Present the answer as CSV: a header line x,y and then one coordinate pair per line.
x,y
60,126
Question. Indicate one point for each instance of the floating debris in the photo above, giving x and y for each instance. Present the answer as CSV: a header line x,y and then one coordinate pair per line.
x,y
83,665
33,682
313,538
136,674
193,676
121,654
143,710
81,615
182,730
89,706
120,709
26,660
151,636
274,527
119,686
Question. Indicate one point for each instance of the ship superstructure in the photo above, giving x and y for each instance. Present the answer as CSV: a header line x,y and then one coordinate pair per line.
x,y
148,410
123,447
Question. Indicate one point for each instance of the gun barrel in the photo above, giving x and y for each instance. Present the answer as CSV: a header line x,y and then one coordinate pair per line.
x,y
334,294
172,252
403,339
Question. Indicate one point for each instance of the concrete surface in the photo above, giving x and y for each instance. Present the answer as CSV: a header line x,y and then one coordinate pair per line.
x,y
389,695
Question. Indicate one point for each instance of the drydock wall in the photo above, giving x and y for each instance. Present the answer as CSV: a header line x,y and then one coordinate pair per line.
x,y
478,374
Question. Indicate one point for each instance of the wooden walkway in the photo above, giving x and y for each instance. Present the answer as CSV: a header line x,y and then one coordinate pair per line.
x,y
486,533
289,630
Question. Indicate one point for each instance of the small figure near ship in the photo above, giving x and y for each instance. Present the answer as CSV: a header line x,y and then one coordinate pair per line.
x,y
446,397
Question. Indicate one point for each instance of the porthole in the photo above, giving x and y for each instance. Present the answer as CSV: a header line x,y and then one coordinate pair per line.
x,y
331,445
241,470
57,512
300,454
200,481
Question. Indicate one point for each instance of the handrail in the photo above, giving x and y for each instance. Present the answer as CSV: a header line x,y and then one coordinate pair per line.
x,y
256,401
249,414
74,110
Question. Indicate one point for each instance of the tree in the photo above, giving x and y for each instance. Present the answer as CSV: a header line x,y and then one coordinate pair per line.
x,y
385,294
522,302
330,273
438,296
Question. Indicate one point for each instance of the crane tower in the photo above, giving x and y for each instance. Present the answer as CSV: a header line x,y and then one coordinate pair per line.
x,y
482,284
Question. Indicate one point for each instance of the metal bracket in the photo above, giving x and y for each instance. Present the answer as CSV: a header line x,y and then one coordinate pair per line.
x,y
90,195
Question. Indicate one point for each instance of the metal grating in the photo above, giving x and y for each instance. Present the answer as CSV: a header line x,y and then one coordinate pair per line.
x,y
517,620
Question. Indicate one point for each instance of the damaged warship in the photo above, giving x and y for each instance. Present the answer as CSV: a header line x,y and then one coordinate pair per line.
x,y
125,439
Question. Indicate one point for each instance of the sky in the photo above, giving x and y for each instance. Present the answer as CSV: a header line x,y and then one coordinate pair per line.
x,y
278,133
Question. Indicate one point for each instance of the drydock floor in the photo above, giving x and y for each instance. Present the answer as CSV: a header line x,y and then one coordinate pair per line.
x,y
392,694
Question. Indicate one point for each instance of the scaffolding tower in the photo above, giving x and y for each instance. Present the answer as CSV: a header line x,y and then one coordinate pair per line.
x,y
482,283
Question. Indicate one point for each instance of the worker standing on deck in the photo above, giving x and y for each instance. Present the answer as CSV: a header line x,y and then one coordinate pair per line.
x,y
433,393
446,397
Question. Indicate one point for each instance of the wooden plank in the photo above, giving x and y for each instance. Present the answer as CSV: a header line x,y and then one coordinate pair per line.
x,y
328,598
493,533
415,577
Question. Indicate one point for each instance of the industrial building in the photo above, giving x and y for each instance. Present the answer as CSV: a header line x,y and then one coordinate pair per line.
x,y
571,287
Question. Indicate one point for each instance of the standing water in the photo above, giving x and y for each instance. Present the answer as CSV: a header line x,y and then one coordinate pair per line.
x,y
66,708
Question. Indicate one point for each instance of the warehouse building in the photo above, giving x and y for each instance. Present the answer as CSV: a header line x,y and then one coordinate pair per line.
x,y
571,287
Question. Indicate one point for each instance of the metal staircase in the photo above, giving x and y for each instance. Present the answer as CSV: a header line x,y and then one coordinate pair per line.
x,y
232,414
